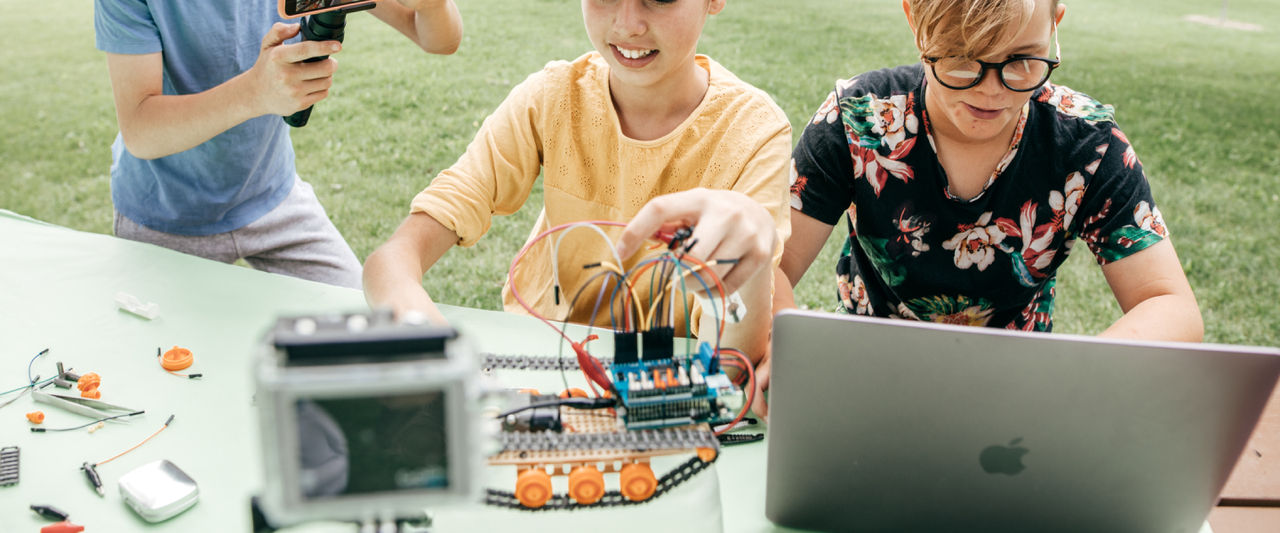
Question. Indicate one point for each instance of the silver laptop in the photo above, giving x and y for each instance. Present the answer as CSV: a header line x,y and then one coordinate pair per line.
x,y
879,424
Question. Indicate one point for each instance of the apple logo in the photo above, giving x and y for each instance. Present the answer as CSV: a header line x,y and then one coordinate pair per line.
x,y
997,459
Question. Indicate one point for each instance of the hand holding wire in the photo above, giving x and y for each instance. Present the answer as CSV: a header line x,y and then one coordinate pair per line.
x,y
732,233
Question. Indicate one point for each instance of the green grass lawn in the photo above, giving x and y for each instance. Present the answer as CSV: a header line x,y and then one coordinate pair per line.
x,y
1195,101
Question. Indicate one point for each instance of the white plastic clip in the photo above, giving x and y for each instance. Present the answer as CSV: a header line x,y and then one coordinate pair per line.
x,y
735,309
131,303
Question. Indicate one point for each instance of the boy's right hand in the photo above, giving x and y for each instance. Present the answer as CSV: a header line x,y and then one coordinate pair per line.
x,y
283,84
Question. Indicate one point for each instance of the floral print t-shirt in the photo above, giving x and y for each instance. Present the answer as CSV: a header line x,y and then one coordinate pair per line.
x,y
915,251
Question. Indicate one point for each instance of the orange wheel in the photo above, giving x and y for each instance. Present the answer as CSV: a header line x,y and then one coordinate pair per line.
x,y
707,454
533,487
573,392
586,484
637,481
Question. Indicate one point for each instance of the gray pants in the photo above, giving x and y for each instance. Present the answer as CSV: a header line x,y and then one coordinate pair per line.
x,y
296,239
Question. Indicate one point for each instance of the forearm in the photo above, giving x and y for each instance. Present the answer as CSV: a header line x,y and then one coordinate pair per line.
x,y
1169,317
393,273
161,125
435,25
393,280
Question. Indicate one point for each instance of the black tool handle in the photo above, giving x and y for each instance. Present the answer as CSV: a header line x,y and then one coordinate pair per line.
x,y
328,26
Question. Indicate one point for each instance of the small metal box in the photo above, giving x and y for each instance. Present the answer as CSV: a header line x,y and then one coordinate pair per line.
x,y
158,490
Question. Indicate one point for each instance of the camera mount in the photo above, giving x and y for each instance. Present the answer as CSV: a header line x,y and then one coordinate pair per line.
x,y
326,26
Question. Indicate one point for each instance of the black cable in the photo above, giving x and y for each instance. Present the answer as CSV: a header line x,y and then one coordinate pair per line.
x,y
565,323
732,439
576,403
665,305
44,430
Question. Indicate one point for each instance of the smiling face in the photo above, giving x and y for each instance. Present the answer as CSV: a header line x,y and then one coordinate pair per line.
x,y
986,112
648,43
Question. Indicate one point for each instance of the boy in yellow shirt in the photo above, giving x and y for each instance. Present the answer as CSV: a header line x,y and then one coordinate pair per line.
x,y
644,130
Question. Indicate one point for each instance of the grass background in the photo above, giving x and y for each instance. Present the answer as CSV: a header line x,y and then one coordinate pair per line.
x,y
1197,102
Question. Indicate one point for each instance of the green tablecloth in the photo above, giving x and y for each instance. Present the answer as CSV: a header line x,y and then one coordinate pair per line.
x,y
57,291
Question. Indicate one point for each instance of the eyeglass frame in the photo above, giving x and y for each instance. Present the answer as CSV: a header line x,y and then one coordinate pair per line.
x,y
999,68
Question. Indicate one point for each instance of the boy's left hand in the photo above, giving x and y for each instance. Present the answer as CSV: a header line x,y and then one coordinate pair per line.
x,y
726,225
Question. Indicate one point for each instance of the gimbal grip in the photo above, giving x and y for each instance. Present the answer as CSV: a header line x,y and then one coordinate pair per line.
x,y
328,26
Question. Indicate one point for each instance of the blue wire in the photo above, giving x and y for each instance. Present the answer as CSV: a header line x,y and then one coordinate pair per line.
x,y
28,386
30,379
715,311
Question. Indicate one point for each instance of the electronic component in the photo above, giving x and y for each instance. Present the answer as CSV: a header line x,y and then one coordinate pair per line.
x,y
543,416
9,456
50,512
65,378
158,490
130,303
674,391
91,473
626,347
657,344
365,418
62,527
730,439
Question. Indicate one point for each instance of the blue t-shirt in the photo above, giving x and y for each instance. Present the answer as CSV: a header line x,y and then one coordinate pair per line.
x,y
229,180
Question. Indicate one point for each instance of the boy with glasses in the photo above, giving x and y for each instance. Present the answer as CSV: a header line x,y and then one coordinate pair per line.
x,y
966,178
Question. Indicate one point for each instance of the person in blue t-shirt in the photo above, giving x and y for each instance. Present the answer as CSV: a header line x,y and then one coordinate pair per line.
x,y
203,163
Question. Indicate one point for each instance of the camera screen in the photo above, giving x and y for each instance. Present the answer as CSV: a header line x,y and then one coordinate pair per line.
x,y
302,7
350,446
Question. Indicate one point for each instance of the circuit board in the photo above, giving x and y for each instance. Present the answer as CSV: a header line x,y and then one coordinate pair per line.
x,y
670,391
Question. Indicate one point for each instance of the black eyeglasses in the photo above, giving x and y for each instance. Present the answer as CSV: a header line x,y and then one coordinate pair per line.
x,y
1018,74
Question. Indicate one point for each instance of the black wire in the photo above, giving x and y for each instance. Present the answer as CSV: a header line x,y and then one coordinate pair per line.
x,y
576,403
565,324
44,430
664,276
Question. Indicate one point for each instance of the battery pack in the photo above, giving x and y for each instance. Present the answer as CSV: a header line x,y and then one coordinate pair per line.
x,y
158,490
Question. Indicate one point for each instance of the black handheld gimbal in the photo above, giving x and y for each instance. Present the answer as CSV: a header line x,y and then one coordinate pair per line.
x,y
326,26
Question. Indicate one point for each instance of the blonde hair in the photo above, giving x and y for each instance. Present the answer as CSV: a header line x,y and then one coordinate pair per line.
x,y
969,28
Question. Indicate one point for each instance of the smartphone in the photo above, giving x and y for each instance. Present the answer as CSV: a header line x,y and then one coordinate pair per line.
x,y
296,8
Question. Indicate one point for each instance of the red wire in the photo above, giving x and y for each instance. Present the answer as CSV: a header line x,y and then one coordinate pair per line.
x,y
511,277
511,273
724,309
750,388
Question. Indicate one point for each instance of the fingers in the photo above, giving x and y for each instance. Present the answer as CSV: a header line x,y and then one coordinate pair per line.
x,y
300,51
279,33
316,70
662,213
732,239
726,226
295,52
760,406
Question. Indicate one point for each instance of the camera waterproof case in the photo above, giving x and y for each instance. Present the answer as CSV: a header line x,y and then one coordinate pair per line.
x,y
158,490
363,419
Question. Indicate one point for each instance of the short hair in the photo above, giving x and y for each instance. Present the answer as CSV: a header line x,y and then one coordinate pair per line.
x,y
969,28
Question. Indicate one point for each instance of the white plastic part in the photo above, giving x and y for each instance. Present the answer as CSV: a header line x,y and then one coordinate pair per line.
x,y
131,303
735,308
